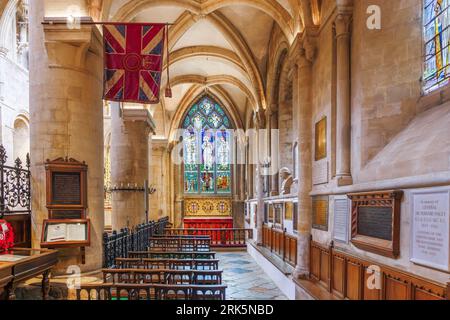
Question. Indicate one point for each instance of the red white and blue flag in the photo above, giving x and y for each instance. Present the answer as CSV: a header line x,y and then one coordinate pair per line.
x,y
133,62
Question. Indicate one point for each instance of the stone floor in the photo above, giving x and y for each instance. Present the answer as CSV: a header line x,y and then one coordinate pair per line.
x,y
245,279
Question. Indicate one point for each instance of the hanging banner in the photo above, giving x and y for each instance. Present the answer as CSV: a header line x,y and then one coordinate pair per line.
x,y
133,62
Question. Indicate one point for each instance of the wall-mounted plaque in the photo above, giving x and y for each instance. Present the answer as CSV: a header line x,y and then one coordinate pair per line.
x,y
271,213
66,188
430,229
376,222
341,220
295,218
278,211
288,211
320,213
321,139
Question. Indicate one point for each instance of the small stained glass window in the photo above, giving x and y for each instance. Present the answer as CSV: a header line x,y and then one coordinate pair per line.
x,y
436,21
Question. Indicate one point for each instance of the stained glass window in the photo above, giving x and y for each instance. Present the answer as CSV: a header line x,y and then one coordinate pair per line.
x,y
437,40
207,148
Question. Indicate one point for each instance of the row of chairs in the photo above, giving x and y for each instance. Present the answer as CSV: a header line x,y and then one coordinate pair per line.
x,y
173,268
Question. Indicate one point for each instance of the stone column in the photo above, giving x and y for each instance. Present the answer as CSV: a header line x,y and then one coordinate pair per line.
x,y
66,120
303,103
343,108
274,153
130,129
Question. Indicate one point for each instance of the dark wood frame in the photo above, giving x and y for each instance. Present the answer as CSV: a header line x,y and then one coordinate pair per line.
x,y
391,199
66,244
66,165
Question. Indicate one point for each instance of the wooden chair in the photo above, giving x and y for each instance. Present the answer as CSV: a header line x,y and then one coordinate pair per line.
x,y
172,255
163,276
110,291
185,264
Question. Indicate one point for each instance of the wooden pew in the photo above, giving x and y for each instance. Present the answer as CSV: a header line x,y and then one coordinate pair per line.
x,y
110,291
184,264
172,255
163,276
179,244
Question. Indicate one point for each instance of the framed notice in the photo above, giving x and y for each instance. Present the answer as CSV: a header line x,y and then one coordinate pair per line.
x,y
320,213
65,233
321,139
376,222
430,229
66,188
341,220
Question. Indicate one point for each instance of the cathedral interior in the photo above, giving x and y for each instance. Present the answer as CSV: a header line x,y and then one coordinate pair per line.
x,y
263,150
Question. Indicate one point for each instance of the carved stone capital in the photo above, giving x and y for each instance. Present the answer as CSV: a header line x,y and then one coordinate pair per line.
x,y
68,48
142,115
344,17
304,49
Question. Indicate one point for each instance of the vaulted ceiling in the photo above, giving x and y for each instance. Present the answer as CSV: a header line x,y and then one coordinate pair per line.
x,y
222,45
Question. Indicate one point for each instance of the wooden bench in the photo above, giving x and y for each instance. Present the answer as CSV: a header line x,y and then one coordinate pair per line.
x,y
184,264
163,276
111,291
179,244
172,255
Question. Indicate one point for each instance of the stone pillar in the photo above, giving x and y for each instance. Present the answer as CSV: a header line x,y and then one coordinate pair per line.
x,y
303,103
343,108
274,153
130,129
66,120
159,179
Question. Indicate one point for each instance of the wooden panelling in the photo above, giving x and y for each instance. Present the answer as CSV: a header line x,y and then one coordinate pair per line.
x,y
349,277
371,293
338,275
395,289
353,282
281,243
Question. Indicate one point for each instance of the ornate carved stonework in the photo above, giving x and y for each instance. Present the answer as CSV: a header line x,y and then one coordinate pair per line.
x,y
208,207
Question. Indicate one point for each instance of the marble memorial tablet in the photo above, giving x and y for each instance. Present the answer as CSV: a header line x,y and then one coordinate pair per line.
x,y
430,230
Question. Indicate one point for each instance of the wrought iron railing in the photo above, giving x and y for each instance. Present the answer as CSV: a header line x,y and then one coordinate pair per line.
x,y
15,197
15,187
119,244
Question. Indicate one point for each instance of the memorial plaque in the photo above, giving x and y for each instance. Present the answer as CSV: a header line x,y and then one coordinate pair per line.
x,y
320,172
288,210
375,222
320,213
321,139
66,187
278,213
341,222
430,243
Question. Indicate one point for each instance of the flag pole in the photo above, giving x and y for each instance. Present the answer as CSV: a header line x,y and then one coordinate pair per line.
x,y
83,22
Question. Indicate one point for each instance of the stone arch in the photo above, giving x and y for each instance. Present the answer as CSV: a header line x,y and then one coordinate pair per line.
x,y
271,7
6,19
194,93
21,137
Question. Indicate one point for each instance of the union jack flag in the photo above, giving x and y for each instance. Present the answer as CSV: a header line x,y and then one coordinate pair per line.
x,y
133,62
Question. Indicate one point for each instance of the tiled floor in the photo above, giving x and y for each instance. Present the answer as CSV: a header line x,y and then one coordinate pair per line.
x,y
245,279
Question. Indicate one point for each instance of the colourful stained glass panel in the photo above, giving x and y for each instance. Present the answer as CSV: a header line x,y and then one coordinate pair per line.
x,y
207,148
436,21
